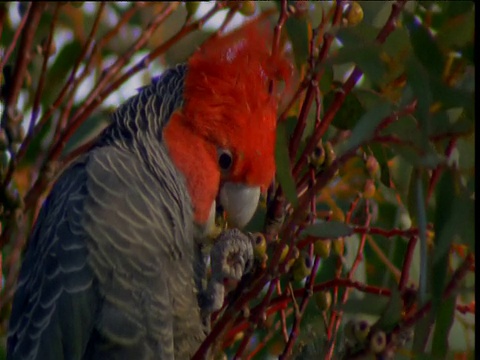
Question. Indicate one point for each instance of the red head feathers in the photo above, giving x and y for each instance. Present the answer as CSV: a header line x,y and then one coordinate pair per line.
x,y
228,106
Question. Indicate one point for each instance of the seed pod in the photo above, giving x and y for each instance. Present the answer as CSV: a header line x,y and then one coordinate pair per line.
x,y
247,8
260,246
301,267
354,14
338,246
378,341
372,166
329,154
295,255
301,9
337,214
360,330
284,253
317,158
369,189
322,248
323,299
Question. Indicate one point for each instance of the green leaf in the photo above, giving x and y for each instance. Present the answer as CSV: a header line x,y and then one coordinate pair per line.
x,y
348,114
392,313
383,154
368,97
429,159
454,216
405,128
388,194
297,30
452,97
422,330
366,126
443,324
424,45
451,122
445,231
369,305
466,152
419,82
325,81
459,30
328,230
62,66
284,168
366,56
397,42
421,215
360,34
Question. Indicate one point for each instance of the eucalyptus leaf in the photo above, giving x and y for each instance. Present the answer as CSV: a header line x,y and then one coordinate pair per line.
x,y
328,230
284,169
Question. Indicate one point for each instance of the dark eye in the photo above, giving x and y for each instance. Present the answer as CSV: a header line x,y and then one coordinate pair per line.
x,y
225,159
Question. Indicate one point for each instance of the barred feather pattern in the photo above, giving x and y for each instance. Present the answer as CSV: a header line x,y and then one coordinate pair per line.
x,y
110,268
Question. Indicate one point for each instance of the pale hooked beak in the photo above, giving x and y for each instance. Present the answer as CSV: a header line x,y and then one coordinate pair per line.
x,y
239,202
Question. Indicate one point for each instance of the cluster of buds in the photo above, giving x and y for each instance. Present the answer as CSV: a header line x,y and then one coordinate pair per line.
x,y
362,337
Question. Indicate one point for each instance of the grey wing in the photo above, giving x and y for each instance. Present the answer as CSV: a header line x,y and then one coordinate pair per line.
x,y
55,302
142,251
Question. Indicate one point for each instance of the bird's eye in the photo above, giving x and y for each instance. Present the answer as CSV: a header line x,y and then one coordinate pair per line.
x,y
225,159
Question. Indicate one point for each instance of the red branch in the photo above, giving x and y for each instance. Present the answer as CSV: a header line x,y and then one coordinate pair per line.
x,y
16,35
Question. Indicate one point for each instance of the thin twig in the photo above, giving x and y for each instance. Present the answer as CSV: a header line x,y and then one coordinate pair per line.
x,y
287,352
384,259
32,17
68,88
16,35
346,88
358,258
453,284
407,262
312,89
104,88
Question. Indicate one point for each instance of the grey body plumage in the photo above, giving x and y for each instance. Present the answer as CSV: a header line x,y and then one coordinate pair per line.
x,y
110,268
